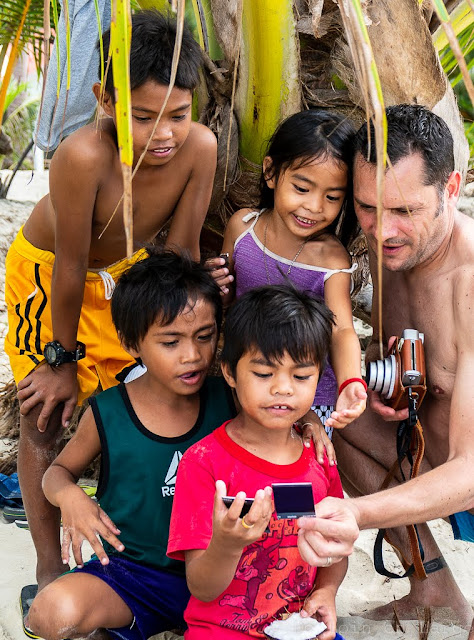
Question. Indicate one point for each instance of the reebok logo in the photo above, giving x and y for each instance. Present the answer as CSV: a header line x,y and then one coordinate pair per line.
x,y
170,479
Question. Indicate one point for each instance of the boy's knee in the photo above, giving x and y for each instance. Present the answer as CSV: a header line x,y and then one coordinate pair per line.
x,y
54,613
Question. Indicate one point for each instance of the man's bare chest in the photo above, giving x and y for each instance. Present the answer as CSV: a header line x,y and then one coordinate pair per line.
x,y
426,305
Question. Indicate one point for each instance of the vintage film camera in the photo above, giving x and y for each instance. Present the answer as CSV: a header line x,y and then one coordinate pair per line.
x,y
402,370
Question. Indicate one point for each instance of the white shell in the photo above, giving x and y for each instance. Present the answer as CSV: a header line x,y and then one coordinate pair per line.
x,y
295,628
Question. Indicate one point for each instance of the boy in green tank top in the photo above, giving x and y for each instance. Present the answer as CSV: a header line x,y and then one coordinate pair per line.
x,y
167,311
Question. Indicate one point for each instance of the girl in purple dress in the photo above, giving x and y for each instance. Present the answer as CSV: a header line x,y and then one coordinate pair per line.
x,y
300,233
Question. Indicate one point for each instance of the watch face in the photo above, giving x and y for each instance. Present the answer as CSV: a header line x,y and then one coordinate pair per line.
x,y
50,354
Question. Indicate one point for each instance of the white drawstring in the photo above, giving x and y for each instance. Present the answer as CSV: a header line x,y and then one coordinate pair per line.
x,y
109,284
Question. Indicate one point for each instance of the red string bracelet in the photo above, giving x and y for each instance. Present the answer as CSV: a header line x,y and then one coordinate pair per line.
x,y
349,380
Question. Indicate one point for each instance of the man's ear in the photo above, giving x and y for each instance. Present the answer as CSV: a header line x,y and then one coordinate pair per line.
x,y
226,372
453,187
107,103
268,172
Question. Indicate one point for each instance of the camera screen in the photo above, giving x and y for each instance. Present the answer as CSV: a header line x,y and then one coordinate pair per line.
x,y
293,499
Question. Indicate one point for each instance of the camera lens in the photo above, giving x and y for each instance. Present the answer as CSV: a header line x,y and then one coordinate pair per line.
x,y
381,376
371,375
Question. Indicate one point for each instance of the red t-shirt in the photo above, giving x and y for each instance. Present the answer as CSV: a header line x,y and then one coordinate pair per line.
x,y
271,577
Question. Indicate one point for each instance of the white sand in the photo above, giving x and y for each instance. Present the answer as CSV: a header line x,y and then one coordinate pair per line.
x,y
362,589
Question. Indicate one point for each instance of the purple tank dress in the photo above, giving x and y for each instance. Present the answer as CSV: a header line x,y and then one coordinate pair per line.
x,y
250,272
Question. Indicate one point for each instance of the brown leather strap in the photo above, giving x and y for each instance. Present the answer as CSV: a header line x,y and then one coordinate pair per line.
x,y
417,448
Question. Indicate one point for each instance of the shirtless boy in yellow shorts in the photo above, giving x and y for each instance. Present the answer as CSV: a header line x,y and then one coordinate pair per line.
x,y
61,270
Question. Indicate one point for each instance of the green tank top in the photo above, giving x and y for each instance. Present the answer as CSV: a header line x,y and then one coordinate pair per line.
x,y
138,469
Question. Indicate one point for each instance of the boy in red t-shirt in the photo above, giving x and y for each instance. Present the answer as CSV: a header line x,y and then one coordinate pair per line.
x,y
244,573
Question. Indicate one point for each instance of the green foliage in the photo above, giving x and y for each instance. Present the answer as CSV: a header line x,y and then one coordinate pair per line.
x,y
19,123
11,12
449,62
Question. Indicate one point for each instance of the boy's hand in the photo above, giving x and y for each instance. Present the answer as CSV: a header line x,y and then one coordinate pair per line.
x,y
83,519
231,530
49,386
220,273
322,442
321,604
349,406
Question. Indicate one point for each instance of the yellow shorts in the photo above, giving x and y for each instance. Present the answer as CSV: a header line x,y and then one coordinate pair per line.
x,y
28,293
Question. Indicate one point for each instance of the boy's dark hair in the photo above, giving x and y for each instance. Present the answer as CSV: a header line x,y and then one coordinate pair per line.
x,y
411,129
304,137
151,53
278,319
158,288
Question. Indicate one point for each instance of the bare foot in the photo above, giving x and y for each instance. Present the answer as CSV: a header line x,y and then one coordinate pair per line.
x,y
407,608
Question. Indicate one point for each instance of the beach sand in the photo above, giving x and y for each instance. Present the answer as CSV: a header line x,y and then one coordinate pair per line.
x,y
362,590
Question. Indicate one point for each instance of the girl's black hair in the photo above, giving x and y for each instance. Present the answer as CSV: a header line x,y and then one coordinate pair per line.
x,y
304,137
275,320
160,287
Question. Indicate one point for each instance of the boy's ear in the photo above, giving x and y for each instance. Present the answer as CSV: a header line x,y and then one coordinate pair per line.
x,y
133,352
107,103
229,378
268,172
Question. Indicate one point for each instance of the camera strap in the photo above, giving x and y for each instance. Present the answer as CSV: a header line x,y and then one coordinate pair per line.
x,y
410,445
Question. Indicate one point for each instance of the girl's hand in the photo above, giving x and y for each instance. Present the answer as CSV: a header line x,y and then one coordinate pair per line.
x,y
83,519
350,405
321,440
232,531
220,273
321,605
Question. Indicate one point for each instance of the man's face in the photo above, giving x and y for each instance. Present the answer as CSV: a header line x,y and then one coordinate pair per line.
x,y
414,219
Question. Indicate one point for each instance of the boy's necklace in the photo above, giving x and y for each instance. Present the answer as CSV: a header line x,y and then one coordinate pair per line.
x,y
265,253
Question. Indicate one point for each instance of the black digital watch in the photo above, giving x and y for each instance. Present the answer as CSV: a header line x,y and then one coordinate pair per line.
x,y
56,355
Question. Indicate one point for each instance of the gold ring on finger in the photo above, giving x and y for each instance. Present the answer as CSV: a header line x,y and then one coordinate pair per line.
x,y
245,524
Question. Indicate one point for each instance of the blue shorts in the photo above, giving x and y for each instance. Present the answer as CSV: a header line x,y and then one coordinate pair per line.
x,y
463,526
156,598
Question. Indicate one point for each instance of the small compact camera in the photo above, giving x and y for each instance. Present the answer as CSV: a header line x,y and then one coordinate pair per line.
x,y
228,500
293,499
226,258
402,369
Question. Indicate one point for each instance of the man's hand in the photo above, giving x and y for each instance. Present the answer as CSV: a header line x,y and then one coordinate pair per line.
x,y
321,605
331,534
229,529
383,410
49,387
350,405
322,442
220,273
83,519
379,407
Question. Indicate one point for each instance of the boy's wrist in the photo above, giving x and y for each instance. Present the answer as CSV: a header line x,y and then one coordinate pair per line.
x,y
221,544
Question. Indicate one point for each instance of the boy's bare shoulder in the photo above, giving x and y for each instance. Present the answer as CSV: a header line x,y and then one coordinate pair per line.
x,y
201,140
92,142
89,154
